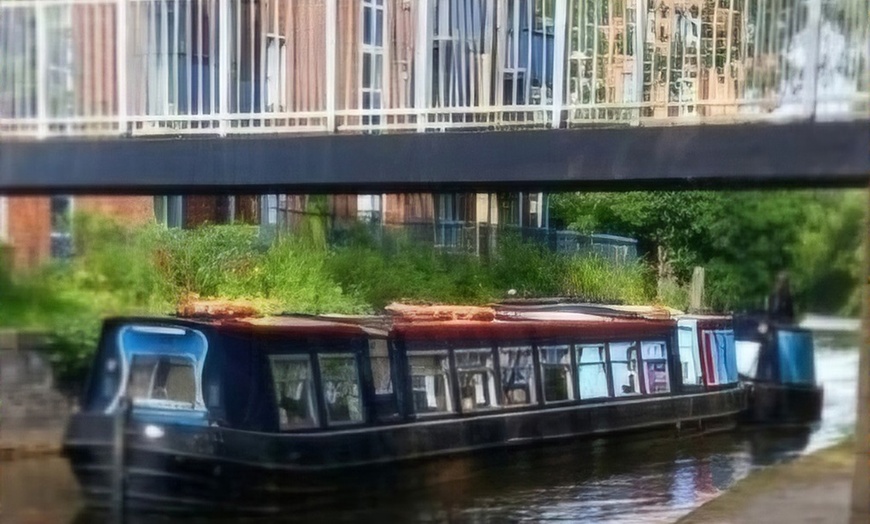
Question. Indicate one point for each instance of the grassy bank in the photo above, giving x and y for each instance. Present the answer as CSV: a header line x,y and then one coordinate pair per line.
x,y
148,270
792,492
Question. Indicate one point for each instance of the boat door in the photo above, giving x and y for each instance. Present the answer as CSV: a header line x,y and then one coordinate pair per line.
x,y
161,373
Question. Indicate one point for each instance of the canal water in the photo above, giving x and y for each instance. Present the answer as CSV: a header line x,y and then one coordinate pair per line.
x,y
641,480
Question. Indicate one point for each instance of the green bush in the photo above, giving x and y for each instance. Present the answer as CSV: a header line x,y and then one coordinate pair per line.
x,y
120,270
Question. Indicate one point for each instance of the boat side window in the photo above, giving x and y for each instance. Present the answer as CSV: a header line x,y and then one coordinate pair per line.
x,y
294,391
381,367
476,374
556,372
169,380
624,368
430,381
382,378
339,375
655,367
592,373
517,375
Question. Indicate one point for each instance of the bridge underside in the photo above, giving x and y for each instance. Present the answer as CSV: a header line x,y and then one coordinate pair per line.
x,y
714,156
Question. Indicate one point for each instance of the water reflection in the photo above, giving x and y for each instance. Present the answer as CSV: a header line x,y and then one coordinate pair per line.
x,y
637,479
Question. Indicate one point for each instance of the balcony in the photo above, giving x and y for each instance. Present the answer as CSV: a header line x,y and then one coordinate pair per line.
x,y
146,68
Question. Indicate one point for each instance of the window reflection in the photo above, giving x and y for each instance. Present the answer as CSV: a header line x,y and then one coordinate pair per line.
x,y
623,365
341,394
517,375
655,364
430,381
474,369
556,372
592,371
294,391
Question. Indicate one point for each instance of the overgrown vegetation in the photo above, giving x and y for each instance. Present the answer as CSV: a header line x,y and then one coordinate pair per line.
x,y
743,239
121,270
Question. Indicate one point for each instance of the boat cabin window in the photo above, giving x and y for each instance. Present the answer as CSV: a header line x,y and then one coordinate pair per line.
x,y
162,366
592,375
556,372
474,369
381,368
655,364
339,376
430,381
517,375
294,391
165,380
385,404
718,356
690,363
624,368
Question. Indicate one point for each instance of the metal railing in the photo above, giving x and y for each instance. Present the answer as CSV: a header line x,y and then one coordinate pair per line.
x,y
180,67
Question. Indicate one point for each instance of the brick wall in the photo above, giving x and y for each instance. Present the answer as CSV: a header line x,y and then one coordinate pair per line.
x,y
128,209
30,222
29,230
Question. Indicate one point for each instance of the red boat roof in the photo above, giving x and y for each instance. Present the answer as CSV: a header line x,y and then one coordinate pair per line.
x,y
525,329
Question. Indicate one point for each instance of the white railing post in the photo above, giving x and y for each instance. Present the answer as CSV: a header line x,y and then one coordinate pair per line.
x,y
41,70
4,220
331,50
640,21
223,65
814,27
121,63
560,20
422,54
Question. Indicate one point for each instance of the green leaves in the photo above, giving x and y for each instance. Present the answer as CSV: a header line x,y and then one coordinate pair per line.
x,y
742,238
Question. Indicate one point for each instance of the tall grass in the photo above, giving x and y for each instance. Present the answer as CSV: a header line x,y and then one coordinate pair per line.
x,y
120,270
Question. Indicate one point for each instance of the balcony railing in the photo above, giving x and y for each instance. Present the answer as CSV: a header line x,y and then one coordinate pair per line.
x,y
179,67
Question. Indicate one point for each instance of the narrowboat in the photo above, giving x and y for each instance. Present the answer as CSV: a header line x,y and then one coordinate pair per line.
x,y
252,414
777,358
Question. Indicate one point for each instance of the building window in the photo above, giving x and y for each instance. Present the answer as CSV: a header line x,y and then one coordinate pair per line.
x,y
276,73
341,392
517,375
592,373
556,373
373,13
294,391
430,382
368,208
168,210
61,226
474,368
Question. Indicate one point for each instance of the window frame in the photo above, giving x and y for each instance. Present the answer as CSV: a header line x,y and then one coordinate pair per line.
x,y
314,388
573,394
492,386
373,85
600,343
451,387
313,348
362,407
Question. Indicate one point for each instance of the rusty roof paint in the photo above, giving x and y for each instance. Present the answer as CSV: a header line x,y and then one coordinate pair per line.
x,y
527,329
407,312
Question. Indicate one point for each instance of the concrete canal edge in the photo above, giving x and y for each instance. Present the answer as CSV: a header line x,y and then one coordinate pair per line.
x,y
33,412
815,488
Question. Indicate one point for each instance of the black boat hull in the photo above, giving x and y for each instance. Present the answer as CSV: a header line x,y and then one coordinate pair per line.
x,y
205,469
784,404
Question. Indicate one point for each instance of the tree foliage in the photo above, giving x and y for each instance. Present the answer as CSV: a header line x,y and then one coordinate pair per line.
x,y
742,239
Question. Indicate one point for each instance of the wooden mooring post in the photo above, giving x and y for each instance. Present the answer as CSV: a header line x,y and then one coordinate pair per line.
x,y
119,444
860,512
